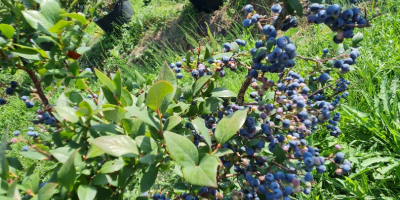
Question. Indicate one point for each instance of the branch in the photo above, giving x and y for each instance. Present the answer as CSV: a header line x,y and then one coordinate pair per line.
x,y
323,88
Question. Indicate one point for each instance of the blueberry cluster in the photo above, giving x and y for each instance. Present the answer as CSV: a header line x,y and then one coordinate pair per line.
x,y
9,91
160,197
196,73
253,18
344,65
345,165
45,118
338,21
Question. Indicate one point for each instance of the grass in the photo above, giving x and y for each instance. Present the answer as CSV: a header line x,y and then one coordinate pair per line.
x,y
370,117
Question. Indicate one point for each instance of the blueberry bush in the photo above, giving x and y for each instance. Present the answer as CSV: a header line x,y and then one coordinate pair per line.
x,y
211,142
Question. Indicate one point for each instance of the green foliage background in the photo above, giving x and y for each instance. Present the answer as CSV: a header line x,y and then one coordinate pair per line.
x,y
371,117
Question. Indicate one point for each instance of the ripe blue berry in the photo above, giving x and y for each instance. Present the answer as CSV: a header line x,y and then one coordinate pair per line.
x,y
325,51
308,177
323,77
10,91
13,84
249,8
179,76
276,8
25,148
2,101
247,23
29,104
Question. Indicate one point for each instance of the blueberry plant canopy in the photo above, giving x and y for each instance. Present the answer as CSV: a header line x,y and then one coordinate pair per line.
x,y
212,142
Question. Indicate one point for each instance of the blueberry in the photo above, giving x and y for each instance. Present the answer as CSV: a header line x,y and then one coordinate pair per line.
x,y
254,73
227,46
10,91
29,104
325,51
179,64
25,148
16,133
247,23
2,101
276,8
24,98
51,121
13,84
282,42
179,76
249,8
308,177
323,77
288,190
347,14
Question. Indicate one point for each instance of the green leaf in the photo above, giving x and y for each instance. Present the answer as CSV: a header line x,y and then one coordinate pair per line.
x,y
279,154
221,55
201,129
295,4
229,125
62,153
222,152
37,21
178,108
84,109
134,127
59,26
148,178
149,157
28,54
357,38
116,114
198,85
112,166
34,155
370,161
146,144
31,182
182,150
67,113
86,192
117,145
205,174
143,115
117,80
222,92
172,122
260,51
75,16
157,93
51,10
105,81
13,190
187,92
126,98
47,191
235,47
211,37
210,105
94,152
7,30
66,175
2,41
4,169
166,74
